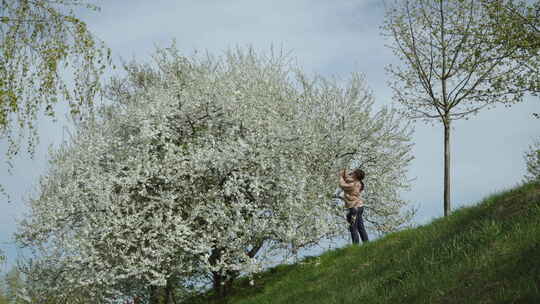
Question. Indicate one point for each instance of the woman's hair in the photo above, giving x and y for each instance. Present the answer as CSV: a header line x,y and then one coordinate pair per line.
x,y
360,174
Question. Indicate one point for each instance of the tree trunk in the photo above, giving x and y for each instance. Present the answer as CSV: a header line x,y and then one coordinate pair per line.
x,y
169,290
446,124
218,284
154,296
161,295
222,284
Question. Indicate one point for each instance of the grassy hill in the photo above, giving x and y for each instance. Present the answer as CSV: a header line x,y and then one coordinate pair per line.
x,y
488,253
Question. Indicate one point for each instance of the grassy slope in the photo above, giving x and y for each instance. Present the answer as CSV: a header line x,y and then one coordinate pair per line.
x,y
489,253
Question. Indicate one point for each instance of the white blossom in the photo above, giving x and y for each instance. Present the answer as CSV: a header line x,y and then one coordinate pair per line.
x,y
532,161
202,167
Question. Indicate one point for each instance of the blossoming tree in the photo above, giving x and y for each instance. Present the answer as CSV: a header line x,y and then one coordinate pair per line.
x,y
200,168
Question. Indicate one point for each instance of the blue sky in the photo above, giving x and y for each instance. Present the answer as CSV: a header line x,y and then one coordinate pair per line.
x,y
326,37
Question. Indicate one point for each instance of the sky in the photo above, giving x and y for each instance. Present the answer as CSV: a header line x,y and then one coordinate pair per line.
x,y
331,38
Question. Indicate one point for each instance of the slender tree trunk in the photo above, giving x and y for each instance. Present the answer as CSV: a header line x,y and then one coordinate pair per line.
x,y
446,124
447,108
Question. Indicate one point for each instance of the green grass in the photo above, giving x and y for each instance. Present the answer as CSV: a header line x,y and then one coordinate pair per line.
x,y
488,253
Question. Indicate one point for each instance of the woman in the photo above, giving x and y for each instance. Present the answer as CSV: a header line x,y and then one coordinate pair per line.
x,y
352,185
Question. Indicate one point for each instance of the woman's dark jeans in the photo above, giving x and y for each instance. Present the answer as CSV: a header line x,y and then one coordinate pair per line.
x,y
356,224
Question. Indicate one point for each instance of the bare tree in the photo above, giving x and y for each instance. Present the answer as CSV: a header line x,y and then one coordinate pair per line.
x,y
452,67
